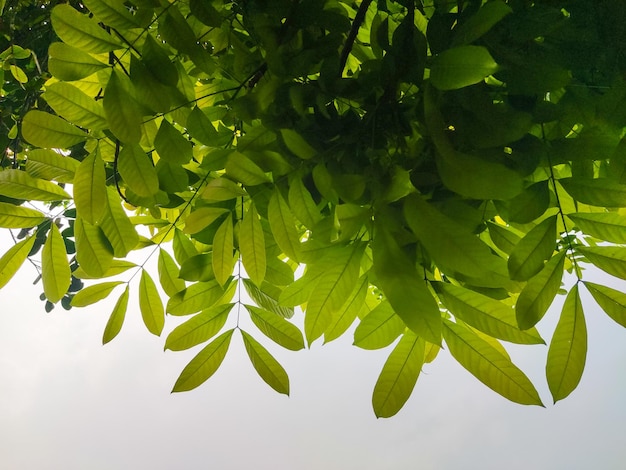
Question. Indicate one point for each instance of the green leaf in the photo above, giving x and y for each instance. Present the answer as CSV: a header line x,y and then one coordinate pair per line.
x,y
76,106
480,22
461,66
112,13
12,216
122,111
13,259
80,31
242,169
117,227
502,237
198,329
610,259
198,268
202,217
55,269
90,193
538,294
485,314
608,226
398,376
118,266
168,274
223,248
116,320
612,301
537,246
49,165
527,206
171,145
183,247
204,364
266,366
379,328
276,328
297,145
488,365
150,304
332,289
222,189
157,61
283,226
45,130
265,300
68,63
92,294
93,252
601,192
137,171
302,204
345,316
453,247
405,289
18,184
194,298
568,348
200,127
252,245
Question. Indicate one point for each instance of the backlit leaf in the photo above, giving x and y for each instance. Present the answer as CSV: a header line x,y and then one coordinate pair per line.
x,y
150,304
198,329
345,316
398,376
45,130
601,192
116,320
55,268
252,245
168,274
18,184
204,364
76,106
568,348
223,247
68,63
202,217
242,169
283,226
612,301
171,145
80,31
379,328
94,293
90,193
488,365
112,12
117,227
12,216
610,259
50,165
538,294
529,255
266,366
480,22
276,328
137,170
222,189
194,298
122,112
461,66
302,204
12,260
265,300
608,226
93,252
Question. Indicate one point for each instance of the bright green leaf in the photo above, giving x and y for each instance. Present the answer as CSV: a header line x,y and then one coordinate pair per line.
x,y
137,171
252,245
150,304
80,31
92,294
266,366
608,226
116,320
196,297
68,63
168,274
55,268
379,328
90,193
610,259
276,328
461,66
198,329
13,259
283,226
529,255
223,247
12,216
76,106
612,301
45,130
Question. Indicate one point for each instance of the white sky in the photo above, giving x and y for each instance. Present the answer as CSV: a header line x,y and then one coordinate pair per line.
x,y
67,402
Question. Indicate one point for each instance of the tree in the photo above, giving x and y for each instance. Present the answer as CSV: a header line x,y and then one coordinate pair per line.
x,y
425,169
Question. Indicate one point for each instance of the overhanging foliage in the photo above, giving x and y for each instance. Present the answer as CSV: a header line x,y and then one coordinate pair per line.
x,y
434,167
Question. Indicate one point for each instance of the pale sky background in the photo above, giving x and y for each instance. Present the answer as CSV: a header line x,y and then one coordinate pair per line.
x,y
67,402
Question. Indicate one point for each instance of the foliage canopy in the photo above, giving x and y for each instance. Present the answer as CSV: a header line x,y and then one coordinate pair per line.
x,y
425,169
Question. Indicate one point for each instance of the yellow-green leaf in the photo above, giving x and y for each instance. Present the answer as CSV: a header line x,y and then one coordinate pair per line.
x,y
539,292
55,268
601,192
117,227
265,300
612,301
204,364
489,365
568,348
223,247
168,274
171,145
345,316
13,259
150,305
302,203
68,63
244,170
45,130
80,31
112,12
537,246
50,165
461,66
283,226
116,320
92,294
194,298
252,245
610,259
90,192
18,184
93,252
266,366
379,328
608,226
202,217
122,112
198,329
137,171
485,314
12,216
398,376
222,189
75,105
276,328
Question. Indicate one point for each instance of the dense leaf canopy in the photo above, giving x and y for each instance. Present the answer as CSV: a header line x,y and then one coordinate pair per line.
x,y
426,170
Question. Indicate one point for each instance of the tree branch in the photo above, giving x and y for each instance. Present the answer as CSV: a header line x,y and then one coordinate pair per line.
x,y
356,25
